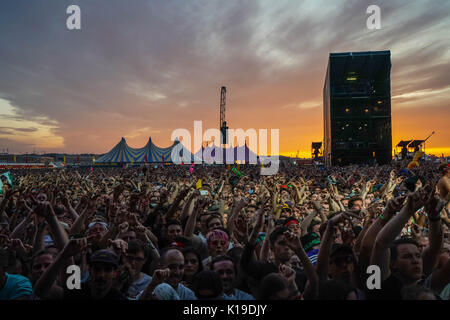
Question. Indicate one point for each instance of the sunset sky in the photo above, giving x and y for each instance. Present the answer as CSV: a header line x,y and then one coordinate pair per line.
x,y
141,68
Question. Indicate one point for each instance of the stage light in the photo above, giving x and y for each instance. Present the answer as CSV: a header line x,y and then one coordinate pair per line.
x,y
347,109
380,102
352,79
366,110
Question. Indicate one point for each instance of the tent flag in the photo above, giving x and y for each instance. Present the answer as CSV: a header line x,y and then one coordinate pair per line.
x,y
15,159
146,158
198,185
9,178
64,159
191,169
162,158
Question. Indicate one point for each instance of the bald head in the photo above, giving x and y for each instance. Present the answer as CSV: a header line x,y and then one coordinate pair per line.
x,y
170,254
173,259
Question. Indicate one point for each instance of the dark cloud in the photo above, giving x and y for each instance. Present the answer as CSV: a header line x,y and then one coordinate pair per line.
x,y
9,129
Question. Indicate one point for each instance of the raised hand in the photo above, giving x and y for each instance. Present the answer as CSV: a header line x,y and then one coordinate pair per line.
x,y
317,205
74,246
241,229
288,273
340,217
17,245
123,227
160,276
293,241
434,205
417,199
399,180
118,245
395,205
44,209
392,174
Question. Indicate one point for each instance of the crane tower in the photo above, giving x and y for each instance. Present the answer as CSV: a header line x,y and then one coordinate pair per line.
x,y
223,123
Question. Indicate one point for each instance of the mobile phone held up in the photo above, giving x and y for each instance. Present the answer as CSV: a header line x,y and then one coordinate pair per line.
x,y
204,192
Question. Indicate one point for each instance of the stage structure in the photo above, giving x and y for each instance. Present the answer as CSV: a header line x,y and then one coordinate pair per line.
x,y
223,122
357,108
316,150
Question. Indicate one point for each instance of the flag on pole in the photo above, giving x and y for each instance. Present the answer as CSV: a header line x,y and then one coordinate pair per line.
x,y
228,167
9,179
191,169
198,185
146,158
78,158
238,166
15,159
64,159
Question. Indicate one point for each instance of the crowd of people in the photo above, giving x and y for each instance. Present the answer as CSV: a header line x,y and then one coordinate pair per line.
x,y
166,232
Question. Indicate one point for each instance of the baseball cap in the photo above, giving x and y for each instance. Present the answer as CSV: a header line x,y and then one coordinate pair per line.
x,y
105,256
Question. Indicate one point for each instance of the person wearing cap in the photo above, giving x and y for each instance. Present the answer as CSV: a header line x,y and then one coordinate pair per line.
x,y
102,271
336,261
